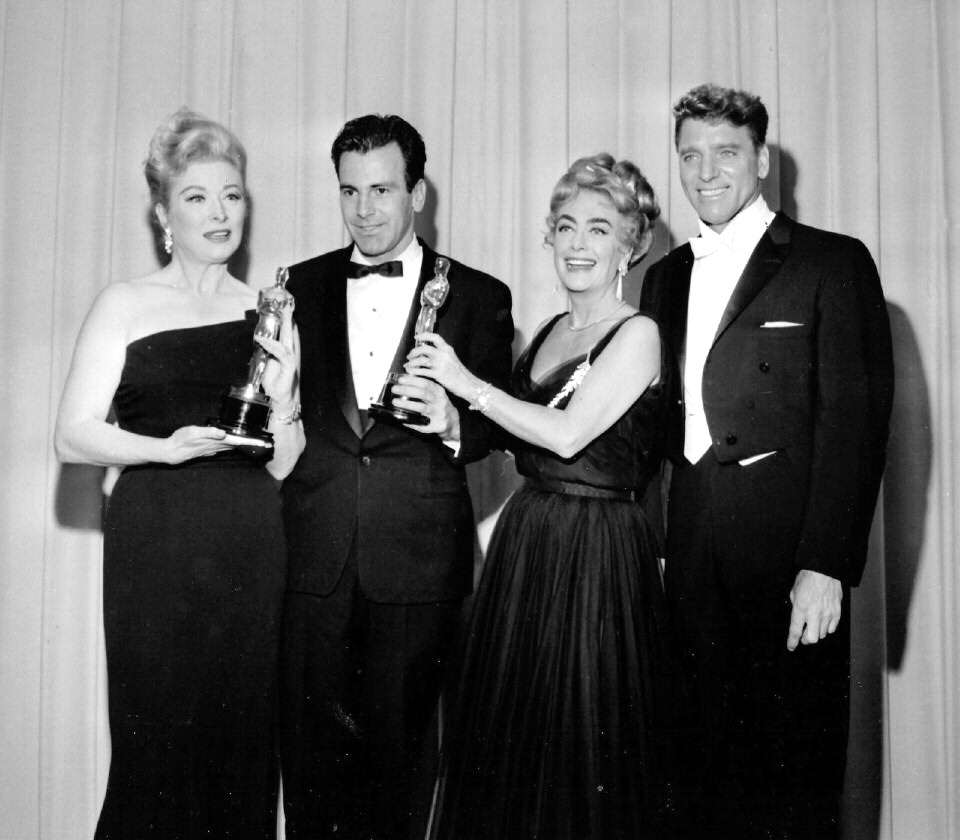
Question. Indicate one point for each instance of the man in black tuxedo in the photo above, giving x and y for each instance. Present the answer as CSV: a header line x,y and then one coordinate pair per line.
x,y
777,441
379,521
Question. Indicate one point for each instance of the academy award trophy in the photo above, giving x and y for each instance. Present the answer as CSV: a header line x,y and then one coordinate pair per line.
x,y
431,299
245,410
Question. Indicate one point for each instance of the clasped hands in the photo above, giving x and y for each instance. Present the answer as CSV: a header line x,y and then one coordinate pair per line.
x,y
423,388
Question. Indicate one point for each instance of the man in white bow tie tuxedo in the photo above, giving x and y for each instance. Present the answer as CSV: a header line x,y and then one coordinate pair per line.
x,y
379,523
777,445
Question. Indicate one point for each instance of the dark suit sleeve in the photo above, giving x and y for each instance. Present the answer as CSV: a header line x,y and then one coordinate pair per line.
x,y
853,399
655,302
664,301
489,357
650,290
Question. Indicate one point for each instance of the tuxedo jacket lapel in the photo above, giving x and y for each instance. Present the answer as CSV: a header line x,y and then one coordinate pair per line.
x,y
405,344
365,422
766,260
338,345
399,356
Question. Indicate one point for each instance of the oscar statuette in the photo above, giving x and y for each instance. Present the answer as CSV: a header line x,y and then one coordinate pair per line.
x,y
245,410
431,299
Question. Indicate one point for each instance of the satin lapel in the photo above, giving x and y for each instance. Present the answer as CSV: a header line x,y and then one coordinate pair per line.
x,y
765,261
405,345
406,339
338,347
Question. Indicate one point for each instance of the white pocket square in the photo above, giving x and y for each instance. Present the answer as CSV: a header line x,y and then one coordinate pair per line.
x,y
746,462
774,324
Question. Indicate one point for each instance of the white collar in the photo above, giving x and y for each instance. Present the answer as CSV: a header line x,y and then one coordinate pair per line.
x,y
741,234
411,257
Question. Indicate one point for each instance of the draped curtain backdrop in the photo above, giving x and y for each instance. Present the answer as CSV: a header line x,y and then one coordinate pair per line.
x,y
865,122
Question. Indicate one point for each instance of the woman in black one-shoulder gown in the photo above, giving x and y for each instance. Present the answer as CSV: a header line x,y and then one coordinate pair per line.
x,y
194,554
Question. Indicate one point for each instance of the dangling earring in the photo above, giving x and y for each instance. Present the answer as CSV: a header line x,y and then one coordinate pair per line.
x,y
621,270
167,241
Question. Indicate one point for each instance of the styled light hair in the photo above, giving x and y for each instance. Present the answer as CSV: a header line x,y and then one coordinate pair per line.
x,y
185,138
712,103
626,187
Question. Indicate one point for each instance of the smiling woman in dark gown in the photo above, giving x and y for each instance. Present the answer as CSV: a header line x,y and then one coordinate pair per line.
x,y
194,555
556,729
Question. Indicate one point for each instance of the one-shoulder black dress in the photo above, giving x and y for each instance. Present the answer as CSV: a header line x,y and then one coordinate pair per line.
x,y
554,730
193,581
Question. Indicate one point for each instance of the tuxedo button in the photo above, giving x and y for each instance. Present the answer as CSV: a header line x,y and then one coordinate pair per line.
x,y
365,460
764,367
731,440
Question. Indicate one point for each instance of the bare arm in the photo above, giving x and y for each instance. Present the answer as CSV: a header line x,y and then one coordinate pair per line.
x,y
617,378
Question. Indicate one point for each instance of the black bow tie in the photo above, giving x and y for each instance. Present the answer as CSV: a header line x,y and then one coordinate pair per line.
x,y
394,268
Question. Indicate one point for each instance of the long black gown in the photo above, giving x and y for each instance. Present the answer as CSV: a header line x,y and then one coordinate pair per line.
x,y
193,580
554,731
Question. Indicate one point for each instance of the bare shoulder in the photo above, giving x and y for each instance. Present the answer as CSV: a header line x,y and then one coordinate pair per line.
x,y
144,287
640,329
134,295
636,341
121,298
630,360
125,305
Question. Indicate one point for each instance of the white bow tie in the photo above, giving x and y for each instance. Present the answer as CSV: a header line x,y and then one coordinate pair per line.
x,y
705,246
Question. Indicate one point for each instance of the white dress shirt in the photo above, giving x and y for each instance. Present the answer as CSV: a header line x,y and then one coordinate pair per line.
x,y
377,310
720,260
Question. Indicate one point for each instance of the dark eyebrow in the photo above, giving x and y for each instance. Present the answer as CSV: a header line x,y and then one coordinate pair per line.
x,y
716,147
391,184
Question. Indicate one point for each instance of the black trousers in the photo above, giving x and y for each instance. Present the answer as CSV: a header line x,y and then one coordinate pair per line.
x,y
360,682
765,745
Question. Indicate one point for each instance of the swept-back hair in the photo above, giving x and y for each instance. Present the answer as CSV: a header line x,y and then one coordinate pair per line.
x,y
374,131
182,139
713,103
626,187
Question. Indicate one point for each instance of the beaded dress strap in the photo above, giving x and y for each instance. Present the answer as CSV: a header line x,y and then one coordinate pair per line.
x,y
575,378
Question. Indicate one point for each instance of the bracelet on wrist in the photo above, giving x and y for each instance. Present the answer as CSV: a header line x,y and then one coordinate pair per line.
x,y
480,401
289,417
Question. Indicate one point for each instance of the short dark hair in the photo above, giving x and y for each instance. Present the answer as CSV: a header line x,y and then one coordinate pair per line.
x,y
374,131
713,103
